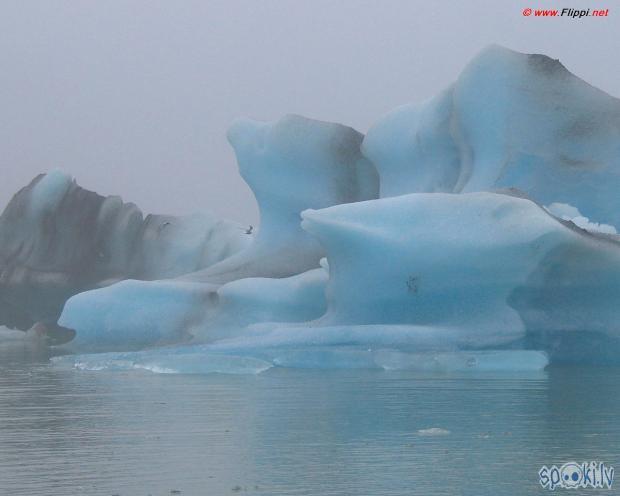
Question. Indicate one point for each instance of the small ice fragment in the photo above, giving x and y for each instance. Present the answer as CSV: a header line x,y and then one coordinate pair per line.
x,y
434,431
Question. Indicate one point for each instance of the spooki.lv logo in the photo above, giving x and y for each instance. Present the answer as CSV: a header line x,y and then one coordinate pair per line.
x,y
572,475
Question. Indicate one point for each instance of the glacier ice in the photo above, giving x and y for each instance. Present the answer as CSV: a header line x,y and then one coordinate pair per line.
x,y
475,232
58,239
510,120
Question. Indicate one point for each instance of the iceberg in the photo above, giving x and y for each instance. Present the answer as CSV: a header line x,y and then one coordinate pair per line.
x,y
476,231
58,239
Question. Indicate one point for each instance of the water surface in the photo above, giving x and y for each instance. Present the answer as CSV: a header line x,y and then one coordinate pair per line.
x,y
297,432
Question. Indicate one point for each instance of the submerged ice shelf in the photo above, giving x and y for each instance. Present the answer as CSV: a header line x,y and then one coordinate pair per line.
x,y
203,360
477,230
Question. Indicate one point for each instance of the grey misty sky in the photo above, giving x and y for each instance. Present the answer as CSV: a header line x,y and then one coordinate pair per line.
x,y
134,97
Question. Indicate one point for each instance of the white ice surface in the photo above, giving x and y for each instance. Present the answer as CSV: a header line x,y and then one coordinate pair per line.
x,y
572,214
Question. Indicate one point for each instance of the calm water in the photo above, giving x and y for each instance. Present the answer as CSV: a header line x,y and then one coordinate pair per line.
x,y
297,432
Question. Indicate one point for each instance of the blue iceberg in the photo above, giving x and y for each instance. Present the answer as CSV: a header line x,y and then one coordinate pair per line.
x,y
474,231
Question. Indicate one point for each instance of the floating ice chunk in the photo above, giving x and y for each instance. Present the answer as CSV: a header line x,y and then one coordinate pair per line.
x,y
8,336
38,336
433,431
